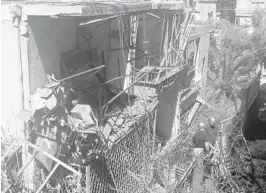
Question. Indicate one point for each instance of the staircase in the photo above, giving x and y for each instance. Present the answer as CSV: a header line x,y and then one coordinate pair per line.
x,y
181,174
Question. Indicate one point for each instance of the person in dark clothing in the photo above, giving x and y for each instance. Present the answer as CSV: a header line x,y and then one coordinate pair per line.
x,y
200,137
211,131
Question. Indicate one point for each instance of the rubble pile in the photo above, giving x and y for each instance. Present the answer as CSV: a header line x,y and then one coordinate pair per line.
x,y
258,153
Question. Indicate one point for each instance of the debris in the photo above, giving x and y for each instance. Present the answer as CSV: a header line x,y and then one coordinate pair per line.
x,y
84,114
51,102
37,102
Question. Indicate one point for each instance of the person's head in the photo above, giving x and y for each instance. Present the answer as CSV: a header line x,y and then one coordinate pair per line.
x,y
201,126
211,122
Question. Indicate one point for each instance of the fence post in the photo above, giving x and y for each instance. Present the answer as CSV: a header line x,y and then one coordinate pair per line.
x,y
88,179
197,176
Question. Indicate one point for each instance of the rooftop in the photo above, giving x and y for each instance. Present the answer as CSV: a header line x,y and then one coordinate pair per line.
x,y
91,8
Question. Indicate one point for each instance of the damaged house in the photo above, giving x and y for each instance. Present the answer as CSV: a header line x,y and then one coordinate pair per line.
x,y
104,84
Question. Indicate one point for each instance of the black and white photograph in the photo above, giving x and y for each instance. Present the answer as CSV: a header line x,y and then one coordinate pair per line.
x,y
133,96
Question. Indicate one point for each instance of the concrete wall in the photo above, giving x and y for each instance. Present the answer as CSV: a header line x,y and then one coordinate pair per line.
x,y
49,38
167,104
203,54
11,87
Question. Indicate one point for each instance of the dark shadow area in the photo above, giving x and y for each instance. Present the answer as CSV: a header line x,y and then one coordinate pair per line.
x,y
254,128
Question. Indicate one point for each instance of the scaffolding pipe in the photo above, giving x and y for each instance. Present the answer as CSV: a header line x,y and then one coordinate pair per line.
x,y
81,73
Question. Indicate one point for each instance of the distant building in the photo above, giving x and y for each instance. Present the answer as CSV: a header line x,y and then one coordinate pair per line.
x,y
244,9
206,9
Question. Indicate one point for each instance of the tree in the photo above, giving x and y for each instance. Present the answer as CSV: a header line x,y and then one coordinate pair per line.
x,y
235,52
258,38
233,57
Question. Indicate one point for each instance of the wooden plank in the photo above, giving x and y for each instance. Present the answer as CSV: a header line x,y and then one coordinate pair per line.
x,y
81,73
25,71
98,20
88,179
6,189
177,124
197,178
154,130
47,178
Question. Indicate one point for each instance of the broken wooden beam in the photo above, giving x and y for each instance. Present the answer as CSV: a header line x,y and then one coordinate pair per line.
x,y
81,73
154,130
98,20
53,158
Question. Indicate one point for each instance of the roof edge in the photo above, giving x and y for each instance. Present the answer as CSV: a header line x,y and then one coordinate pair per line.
x,y
81,8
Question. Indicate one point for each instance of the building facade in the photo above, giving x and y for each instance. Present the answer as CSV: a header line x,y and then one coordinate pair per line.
x,y
63,39
245,8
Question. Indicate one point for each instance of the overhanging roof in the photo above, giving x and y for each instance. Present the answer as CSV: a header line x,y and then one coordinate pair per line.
x,y
91,8
243,12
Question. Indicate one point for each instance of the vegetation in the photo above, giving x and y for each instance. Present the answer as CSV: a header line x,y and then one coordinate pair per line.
x,y
235,53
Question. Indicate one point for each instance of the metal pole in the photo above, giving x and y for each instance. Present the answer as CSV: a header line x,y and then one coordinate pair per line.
x,y
154,131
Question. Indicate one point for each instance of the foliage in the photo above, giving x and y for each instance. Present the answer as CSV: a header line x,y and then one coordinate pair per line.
x,y
258,38
233,56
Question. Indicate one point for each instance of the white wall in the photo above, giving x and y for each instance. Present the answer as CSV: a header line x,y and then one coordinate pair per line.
x,y
203,53
243,4
204,8
11,88
250,4
51,37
